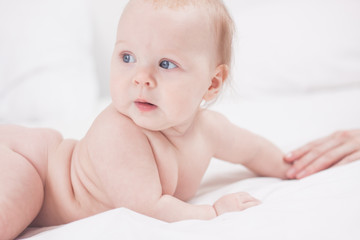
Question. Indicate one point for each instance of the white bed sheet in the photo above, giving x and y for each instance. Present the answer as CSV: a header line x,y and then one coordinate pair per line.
x,y
323,206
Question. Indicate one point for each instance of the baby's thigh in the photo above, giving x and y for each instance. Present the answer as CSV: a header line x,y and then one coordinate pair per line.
x,y
34,144
21,193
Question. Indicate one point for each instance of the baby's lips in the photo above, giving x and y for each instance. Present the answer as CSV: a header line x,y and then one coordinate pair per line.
x,y
143,101
145,106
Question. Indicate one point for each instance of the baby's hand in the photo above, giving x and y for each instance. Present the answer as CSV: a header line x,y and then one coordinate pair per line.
x,y
234,202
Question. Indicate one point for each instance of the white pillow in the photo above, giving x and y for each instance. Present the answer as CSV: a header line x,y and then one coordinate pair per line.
x,y
296,46
47,71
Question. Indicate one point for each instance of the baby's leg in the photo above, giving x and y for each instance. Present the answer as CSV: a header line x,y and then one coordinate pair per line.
x,y
21,193
23,164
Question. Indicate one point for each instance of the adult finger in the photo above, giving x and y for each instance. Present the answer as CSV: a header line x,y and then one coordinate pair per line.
x,y
350,158
298,153
328,159
312,155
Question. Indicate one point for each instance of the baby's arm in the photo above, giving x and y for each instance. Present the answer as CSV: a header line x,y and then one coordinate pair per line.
x,y
171,209
237,145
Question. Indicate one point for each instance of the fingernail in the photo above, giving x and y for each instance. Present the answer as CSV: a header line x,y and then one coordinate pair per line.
x,y
289,155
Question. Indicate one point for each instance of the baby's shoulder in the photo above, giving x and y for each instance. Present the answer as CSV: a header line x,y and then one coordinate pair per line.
x,y
112,126
213,126
111,116
211,119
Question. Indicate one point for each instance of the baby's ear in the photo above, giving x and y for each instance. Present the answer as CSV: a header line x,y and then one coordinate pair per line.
x,y
220,76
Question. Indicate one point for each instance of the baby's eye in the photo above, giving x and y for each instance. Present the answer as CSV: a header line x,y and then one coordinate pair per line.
x,y
167,64
128,58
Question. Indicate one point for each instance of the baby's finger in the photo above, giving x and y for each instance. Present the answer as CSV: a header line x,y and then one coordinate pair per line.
x,y
327,160
234,202
245,197
249,204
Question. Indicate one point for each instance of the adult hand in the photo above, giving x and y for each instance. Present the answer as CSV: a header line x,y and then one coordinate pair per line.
x,y
339,148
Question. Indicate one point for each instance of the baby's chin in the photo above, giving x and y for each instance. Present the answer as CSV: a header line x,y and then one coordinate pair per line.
x,y
147,123
150,123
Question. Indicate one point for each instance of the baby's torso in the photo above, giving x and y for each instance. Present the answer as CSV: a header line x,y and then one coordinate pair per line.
x,y
64,196
74,188
181,166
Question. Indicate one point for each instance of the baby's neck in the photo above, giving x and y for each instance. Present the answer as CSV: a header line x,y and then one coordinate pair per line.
x,y
177,134
180,132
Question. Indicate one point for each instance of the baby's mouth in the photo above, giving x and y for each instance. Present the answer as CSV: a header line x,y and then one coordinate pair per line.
x,y
144,106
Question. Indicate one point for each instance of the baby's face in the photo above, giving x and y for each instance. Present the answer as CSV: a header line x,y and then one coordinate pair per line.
x,y
162,65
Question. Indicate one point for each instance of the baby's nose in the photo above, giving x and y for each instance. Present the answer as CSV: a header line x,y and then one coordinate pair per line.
x,y
144,80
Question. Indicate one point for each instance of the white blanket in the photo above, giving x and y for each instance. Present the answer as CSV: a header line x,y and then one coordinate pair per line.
x,y
323,206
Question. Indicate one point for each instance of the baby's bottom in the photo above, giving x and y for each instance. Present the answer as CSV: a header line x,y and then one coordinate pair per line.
x,y
23,164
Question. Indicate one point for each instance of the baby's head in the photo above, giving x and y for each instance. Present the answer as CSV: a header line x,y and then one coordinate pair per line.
x,y
169,56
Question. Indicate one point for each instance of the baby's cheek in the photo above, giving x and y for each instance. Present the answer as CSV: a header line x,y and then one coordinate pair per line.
x,y
187,107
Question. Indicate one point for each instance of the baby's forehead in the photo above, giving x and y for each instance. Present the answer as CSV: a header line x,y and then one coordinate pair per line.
x,y
173,9
139,17
189,8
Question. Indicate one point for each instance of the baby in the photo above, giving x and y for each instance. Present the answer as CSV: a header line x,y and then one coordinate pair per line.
x,y
149,149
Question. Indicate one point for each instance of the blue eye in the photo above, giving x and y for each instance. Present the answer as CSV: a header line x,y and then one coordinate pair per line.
x,y
127,58
167,64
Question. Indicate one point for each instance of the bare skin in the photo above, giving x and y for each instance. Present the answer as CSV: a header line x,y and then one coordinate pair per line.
x,y
336,149
149,149
155,175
